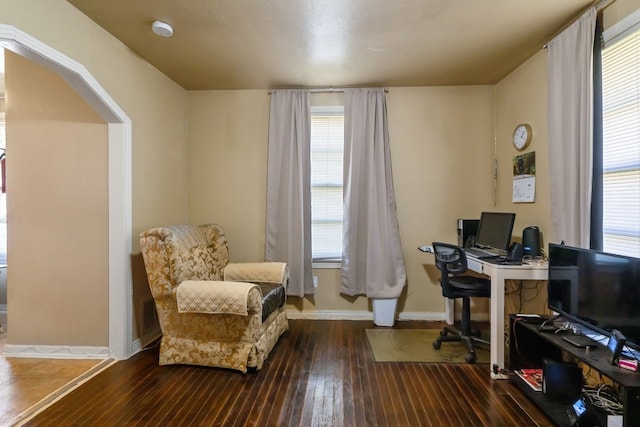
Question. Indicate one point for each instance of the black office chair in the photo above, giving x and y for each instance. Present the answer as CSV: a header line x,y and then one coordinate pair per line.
x,y
452,263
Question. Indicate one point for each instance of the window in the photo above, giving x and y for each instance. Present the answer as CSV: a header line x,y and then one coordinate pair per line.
x,y
327,151
621,145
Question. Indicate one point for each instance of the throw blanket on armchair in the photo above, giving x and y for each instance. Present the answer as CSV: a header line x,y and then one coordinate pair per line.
x,y
264,272
210,296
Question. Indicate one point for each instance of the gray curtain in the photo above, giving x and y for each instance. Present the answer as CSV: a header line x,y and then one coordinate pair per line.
x,y
570,97
288,224
372,260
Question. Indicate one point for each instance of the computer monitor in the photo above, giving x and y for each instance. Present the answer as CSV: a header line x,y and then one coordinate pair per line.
x,y
495,230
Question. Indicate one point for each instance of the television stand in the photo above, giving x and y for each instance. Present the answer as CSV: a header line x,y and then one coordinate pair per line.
x,y
528,347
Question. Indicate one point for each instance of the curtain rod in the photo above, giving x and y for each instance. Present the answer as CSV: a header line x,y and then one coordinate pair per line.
x,y
326,90
602,4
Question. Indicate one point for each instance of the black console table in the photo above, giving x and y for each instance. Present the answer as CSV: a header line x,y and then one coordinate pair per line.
x,y
528,347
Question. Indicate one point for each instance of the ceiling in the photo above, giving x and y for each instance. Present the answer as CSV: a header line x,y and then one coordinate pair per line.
x,y
260,44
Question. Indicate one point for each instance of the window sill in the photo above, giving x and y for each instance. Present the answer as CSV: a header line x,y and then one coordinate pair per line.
x,y
326,264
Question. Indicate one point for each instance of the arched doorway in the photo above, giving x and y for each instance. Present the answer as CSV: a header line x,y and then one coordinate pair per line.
x,y
119,160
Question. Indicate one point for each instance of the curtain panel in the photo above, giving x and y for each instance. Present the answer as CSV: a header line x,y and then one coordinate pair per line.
x,y
570,110
288,217
372,260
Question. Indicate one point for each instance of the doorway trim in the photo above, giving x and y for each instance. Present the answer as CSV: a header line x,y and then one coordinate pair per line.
x,y
121,345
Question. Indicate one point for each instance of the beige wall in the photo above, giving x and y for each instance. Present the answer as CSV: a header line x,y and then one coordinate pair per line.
x,y
618,10
441,140
155,104
227,169
57,210
157,109
521,97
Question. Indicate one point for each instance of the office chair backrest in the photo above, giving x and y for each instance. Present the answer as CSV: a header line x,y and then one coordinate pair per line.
x,y
450,259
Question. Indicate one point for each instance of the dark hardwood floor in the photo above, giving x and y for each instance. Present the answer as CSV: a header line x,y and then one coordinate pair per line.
x,y
321,373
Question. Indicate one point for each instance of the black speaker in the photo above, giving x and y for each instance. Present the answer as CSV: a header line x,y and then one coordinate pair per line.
x,y
467,230
561,382
531,241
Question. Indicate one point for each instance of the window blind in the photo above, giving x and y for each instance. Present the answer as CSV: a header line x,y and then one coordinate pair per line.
x,y
621,145
327,152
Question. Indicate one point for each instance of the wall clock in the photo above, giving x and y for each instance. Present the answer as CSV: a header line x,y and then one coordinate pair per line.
x,y
522,136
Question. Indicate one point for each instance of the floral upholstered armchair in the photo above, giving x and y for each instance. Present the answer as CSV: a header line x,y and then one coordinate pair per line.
x,y
212,312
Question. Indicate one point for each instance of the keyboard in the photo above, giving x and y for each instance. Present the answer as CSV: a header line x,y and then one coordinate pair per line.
x,y
479,253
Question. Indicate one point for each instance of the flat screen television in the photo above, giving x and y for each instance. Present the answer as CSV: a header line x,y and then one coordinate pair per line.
x,y
494,230
597,289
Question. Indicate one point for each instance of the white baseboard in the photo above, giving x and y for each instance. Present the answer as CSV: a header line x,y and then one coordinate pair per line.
x,y
141,343
74,352
420,315
330,315
358,315
88,352
56,351
368,315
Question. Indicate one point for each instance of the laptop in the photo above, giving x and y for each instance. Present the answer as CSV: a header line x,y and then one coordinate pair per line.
x,y
494,235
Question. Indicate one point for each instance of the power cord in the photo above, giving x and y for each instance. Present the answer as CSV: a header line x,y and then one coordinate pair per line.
x,y
605,398
497,370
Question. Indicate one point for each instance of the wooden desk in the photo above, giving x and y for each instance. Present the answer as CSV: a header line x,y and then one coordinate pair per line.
x,y
498,274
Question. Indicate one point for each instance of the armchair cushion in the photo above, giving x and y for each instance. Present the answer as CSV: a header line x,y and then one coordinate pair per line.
x,y
273,298
263,272
215,297
271,276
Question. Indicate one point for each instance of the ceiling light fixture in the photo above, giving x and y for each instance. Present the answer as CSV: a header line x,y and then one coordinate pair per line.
x,y
162,29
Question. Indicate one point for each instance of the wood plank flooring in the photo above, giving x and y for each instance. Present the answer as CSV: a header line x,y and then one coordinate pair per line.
x,y
29,383
321,373
26,382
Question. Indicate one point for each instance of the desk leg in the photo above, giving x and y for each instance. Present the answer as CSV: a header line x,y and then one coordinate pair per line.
x,y
449,311
497,324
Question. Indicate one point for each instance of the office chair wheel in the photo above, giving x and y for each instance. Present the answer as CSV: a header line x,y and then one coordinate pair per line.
x,y
437,344
470,357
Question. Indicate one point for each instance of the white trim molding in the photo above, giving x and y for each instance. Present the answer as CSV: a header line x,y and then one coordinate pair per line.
x,y
360,315
120,178
368,315
330,315
55,351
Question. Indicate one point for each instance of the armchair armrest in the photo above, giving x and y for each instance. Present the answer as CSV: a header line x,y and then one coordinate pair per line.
x,y
261,272
218,297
